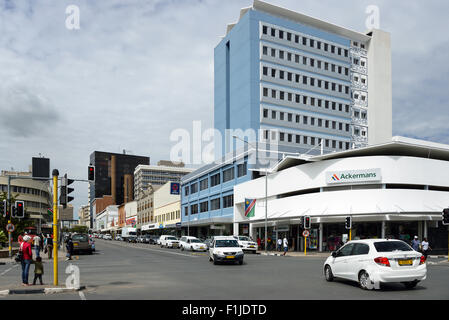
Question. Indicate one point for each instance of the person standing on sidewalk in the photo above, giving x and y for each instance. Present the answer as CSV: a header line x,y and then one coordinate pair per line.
x,y
415,243
285,245
37,245
27,258
279,244
38,270
69,247
49,246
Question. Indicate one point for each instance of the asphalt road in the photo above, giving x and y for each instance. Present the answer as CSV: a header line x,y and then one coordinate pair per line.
x,y
121,271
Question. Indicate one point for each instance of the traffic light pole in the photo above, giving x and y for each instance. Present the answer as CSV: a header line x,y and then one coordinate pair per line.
x,y
55,226
8,205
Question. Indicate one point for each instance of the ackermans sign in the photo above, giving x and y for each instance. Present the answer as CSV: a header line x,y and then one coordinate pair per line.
x,y
353,176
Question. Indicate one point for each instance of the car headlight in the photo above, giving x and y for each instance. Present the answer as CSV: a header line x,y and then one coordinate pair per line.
x,y
220,253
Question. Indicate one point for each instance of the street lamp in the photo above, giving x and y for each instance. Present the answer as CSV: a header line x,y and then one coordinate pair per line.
x,y
266,192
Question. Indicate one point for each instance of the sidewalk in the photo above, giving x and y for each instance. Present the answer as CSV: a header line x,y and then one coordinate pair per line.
x,y
295,253
44,256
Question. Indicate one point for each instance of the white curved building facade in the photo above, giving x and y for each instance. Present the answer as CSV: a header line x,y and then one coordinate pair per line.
x,y
398,189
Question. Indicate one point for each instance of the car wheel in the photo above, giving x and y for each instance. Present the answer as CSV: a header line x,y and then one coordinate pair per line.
x,y
182,248
210,259
364,280
328,273
411,284
215,261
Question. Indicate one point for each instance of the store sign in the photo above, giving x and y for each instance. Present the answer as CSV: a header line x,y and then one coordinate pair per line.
x,y
131,222
353,176
218,227
174,188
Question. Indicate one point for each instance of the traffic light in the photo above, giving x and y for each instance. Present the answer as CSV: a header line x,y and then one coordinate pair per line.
x,y
19,209
91,173
348,223
4,208
307,223
446,216
301,221
64,198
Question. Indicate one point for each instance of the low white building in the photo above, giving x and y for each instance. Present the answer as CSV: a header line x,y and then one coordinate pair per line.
x,y
397,189
105,218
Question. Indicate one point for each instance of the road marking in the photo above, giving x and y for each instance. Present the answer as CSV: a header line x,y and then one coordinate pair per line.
x,y
82,296
6,271
156,250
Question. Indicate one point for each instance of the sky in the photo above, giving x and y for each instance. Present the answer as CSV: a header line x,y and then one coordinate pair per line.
x,y
136,70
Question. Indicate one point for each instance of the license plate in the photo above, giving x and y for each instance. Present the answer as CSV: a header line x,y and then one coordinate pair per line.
x,y
75,244
405,262
201,247
251,246
230,257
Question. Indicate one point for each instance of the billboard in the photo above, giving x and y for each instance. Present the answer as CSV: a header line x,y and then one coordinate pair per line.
x,y
41,167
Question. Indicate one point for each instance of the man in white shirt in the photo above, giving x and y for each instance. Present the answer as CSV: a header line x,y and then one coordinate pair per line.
x,y
425,247
285,245
279,244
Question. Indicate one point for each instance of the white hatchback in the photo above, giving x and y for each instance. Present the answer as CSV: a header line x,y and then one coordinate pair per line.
x,y
371,262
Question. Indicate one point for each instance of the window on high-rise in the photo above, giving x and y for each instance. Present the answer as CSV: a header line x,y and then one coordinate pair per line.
x,y
281,115
228,201
273,32
304,41
265,113
281,34
242,168
215,180
264,29
289,36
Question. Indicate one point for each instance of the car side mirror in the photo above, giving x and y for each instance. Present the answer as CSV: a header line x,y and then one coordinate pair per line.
x,y
334,254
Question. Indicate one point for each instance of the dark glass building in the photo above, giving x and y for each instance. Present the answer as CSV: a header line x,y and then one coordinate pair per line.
x,y
111,171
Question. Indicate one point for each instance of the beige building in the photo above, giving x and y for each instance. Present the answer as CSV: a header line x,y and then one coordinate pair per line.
x,y
167,210
36,194
84,216
145,207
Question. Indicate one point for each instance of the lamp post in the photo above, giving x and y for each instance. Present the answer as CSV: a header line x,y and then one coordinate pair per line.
x,y
266,192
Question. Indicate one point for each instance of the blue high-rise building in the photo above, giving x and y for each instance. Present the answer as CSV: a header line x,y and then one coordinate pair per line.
x,y
286,79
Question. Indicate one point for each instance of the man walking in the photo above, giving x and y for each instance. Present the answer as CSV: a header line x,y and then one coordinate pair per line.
x,y
285,245
425,248
69,247
49,246
279,244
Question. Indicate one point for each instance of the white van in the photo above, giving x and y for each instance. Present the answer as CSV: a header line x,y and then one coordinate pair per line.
x,y
169,241
192,243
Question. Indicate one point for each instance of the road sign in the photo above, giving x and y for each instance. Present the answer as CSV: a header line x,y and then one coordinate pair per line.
x,y
305,233
10,227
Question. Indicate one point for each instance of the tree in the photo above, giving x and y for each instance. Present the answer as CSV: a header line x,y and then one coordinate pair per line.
x,y
80,229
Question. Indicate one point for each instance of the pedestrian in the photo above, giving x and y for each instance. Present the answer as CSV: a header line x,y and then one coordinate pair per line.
x,y
279,244
49,246
425,247
285,245
37,243
69,247
415,243
38,270
259,241
27,255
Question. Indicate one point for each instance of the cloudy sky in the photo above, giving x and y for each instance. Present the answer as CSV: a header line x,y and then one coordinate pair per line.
x,y
138,69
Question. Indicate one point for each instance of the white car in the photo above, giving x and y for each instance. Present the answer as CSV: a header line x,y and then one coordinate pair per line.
x,y
246,243
169,241
371,262
107,237
192,243
224,249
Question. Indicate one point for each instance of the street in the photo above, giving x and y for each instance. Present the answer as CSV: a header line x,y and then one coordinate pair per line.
x,y
122,271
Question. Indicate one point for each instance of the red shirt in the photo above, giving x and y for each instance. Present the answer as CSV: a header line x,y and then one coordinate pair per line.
x,y
27,253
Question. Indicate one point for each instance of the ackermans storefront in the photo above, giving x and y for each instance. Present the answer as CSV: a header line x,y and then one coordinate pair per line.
x,y
395,190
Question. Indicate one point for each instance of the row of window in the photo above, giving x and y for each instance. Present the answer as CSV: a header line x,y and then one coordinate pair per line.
x,y
214,204
300,39
305,100
312,141
168,216
216,179
307,120
25,190
304,60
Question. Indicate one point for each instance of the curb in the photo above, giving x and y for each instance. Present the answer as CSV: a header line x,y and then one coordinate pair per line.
x,y
41,291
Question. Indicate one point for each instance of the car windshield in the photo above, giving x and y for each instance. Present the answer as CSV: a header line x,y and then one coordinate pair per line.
x,y
244,239
390,246
195,241
132,233
80,237
171,238
226,243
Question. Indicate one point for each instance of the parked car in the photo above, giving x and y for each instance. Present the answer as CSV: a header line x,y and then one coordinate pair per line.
x,y
192,243
169,241
154,239
107,237
139,239
246,243
118,238
81,243
146,238
131,239
225,249
371,262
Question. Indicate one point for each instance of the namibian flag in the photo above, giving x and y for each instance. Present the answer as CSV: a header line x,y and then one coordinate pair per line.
x,y
50,212
250,207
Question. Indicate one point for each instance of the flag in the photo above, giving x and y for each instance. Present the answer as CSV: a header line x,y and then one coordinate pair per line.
x,y
50,212
250,207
